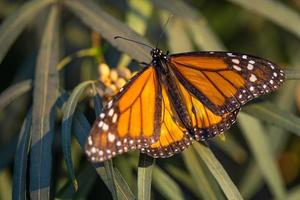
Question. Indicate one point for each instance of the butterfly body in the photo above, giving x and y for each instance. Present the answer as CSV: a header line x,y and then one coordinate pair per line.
x,y
162,66
178,99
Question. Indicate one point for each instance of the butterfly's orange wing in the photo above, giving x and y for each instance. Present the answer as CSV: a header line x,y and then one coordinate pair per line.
x,y
173,135
130,120
224,81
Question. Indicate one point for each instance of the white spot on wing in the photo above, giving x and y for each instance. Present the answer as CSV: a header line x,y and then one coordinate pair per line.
x,y
110,103
250,67
251,61
102,115
105,127
236,61
111,112
111,137
252,78
100,124
237,68
115,117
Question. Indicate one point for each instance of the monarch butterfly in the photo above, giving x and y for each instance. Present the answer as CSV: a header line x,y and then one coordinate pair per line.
x,y
178,99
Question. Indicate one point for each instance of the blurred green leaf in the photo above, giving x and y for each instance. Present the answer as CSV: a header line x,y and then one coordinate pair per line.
x,y
97,19
198,175
201,33
231,148
6,186
146,164
252,181
81,129
137,18
259,145
43,118
12,26
68,113
275,11
277,117
167,187
294,194
7,152
86,178
13,92
184,179
21,159
228,187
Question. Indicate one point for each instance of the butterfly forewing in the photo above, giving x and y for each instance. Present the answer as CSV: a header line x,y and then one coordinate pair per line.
x,y
210,89
173,136
224,81
130,120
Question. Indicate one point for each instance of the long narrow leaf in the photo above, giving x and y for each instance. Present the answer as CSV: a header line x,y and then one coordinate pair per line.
x,y
14,92
274,11
14,24
198,175
253,131
81,129
184,179
68,113
217,170
202,34
166,185
97,19
277,117
44,97
146,164
21,158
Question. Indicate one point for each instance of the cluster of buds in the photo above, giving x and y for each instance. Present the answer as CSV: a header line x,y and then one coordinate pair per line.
x,y
112,79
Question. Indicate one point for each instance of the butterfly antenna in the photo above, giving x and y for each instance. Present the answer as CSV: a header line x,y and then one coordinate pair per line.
x,y
163,30
130,40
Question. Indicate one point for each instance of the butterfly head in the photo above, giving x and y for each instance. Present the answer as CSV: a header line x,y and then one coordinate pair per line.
x,y
156,53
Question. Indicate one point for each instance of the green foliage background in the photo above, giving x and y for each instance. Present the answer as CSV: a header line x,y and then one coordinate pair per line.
x,y
47,105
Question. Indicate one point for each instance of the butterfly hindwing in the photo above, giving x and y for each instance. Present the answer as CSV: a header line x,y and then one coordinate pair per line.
x,y
224,81
174,137
131,120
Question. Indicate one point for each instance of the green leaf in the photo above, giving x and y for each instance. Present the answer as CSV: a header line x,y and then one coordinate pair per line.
x,y
231,148
201,33
13,92
294,194
218,172
259,145
86,178
146,164
81,129
253,180
21,159
277,117
275,11
198,175
44,97
184,179
167,187
97,19
137,18
12,26
68,113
